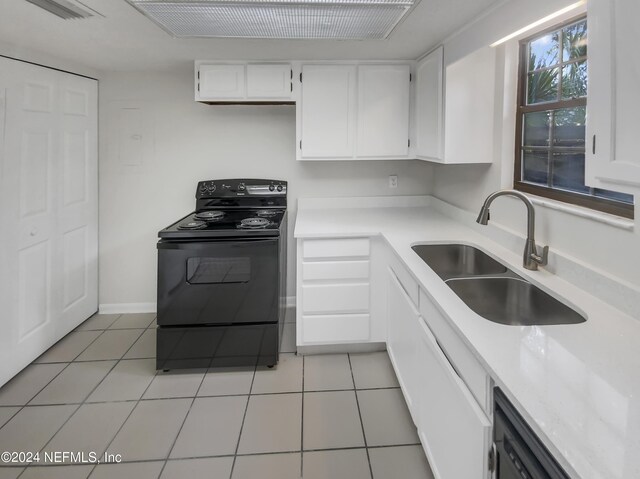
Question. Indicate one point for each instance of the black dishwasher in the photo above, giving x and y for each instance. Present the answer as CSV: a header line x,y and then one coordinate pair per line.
x,y
520,453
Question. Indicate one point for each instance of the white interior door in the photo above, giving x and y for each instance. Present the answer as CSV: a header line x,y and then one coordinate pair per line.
x,y
48,210
28,190
77,179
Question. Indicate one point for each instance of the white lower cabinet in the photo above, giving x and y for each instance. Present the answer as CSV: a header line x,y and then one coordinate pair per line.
x,y
402,342
453,428
333,291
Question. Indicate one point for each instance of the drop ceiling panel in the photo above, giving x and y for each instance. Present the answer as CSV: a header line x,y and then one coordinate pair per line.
x,y
314,19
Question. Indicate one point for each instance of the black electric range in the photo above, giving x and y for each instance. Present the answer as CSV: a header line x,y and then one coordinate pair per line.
x,y
222,277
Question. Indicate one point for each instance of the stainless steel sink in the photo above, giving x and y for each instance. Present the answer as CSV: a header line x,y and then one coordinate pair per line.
x,y
492,290
513,301
458,260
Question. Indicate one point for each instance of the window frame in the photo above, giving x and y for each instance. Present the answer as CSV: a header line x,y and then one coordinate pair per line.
x,y
605,205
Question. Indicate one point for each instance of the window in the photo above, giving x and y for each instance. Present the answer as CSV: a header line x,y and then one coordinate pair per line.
x,y
550,130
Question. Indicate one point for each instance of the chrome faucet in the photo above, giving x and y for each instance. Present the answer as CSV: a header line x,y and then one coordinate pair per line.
x,y
531,259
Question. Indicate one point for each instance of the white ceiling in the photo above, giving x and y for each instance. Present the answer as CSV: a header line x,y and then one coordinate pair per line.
x,y
124,40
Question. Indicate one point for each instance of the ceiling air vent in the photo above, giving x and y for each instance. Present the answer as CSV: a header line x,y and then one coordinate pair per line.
x,y
277,19
62,9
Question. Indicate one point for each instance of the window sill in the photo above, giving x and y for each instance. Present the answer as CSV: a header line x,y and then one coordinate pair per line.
x,y
600,217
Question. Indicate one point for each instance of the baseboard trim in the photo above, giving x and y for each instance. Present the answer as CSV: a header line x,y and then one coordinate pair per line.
x,y
122,308
341,348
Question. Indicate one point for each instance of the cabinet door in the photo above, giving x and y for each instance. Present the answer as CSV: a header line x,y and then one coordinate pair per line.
x,y
402,342
454,431
429,99
328,106
383,111
269,80
469,108
612,110
221,82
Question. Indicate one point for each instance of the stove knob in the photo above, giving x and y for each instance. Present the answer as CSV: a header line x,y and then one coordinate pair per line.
x,y
241,187
279,188
271,187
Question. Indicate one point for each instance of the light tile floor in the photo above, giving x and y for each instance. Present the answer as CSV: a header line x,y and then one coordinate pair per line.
x,y
338,416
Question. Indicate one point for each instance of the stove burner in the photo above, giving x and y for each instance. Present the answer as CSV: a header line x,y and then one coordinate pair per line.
x,y
192,225
209,215
254,223
266,213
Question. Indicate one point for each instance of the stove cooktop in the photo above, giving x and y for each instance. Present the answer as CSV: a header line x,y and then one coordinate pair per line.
x,y
219,223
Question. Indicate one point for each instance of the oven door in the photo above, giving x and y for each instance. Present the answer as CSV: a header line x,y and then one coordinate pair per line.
x,y
218,282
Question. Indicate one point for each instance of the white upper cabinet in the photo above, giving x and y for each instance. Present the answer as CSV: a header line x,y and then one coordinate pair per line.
x,y
469,108
215,82
328,111
238,82
384,93
269,80
353,111
429,106
612,160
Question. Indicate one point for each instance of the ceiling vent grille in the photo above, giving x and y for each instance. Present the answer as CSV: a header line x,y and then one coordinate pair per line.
x,y
62,9
277,19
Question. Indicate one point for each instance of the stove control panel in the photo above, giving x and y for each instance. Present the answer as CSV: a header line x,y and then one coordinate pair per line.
x,y
239,188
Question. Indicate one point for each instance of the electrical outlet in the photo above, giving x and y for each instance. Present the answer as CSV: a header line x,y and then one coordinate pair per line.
x,y
393,181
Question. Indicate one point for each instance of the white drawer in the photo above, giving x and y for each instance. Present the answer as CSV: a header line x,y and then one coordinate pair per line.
x,y
335,248
465,363
335,328
337,270
335,298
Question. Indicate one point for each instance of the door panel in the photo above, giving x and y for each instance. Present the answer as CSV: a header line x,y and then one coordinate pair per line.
x,y
33,287
383,111
269,80
75,149
449,417
328,111
74,266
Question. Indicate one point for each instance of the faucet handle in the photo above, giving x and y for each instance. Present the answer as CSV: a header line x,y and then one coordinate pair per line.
x,y
541,259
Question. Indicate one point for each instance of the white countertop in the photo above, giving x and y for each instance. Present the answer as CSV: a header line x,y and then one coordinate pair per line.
x,y
578,386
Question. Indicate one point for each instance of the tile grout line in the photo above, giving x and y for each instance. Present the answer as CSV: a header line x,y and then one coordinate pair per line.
x,y
175,439
244,416
78,404
132,409
250,454
143,399
364,436
43,388
81,403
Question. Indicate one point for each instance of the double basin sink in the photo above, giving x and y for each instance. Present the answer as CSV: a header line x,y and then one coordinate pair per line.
x,y
492,290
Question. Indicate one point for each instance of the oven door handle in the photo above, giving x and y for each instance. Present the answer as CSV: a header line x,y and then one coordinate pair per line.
x,y
207,245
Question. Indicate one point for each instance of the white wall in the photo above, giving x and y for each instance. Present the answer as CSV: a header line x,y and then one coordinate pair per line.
x,y
181,142
604,247
18,52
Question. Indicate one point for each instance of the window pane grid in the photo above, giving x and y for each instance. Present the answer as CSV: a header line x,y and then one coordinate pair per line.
x,y
550,151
